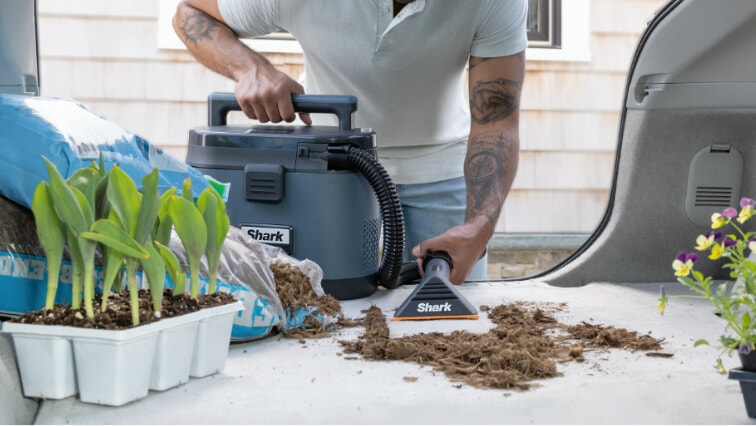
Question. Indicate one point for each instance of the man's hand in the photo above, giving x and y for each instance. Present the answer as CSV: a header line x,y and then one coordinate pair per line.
x,y
265,94
465,244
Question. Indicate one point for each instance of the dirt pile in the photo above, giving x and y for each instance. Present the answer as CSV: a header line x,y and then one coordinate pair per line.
x,y
525,344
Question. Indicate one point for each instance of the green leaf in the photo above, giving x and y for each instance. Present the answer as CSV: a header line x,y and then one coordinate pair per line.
x,y
112,265
213,210
52,238
124,198
190,226
154,268
186,190
148,211
86,208
700,342
65,201
163,232
102,205
173,267
86,180
110,234
49,227
191,229
101,163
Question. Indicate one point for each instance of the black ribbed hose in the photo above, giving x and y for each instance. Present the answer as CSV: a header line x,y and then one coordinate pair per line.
x,y
392,272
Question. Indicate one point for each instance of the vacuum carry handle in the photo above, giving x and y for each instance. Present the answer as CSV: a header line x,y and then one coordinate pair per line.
x,y
221,103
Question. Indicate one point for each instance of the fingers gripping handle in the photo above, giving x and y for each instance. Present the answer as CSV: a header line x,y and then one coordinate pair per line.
x,y
221,103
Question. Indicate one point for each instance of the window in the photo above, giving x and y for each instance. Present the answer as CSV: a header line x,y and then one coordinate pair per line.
x,y
544,23
559,30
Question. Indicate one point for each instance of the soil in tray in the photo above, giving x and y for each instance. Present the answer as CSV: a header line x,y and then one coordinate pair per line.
x,y
117,316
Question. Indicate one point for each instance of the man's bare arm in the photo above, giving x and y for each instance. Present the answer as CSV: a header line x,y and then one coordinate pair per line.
x,y
491,162
493,146
263,91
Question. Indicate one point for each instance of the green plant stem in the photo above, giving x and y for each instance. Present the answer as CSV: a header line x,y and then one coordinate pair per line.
x,y
111,267
213,279
131,267
53,274
89,287
76,285
88,249
77,264
194,278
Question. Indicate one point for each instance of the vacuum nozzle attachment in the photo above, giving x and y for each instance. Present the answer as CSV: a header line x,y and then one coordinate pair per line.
x,y
436,297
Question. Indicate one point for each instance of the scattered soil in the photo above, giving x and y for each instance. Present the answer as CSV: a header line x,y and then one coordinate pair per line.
x,y
117,316
525,344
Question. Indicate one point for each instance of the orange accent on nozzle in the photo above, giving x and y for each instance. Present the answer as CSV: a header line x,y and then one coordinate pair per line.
x,y
435,318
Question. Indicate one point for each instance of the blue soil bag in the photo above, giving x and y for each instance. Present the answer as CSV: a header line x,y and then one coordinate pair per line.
x,y
71,137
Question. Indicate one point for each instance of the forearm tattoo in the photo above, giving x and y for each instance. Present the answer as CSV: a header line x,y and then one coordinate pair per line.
x,y
494,100
489,169
197,26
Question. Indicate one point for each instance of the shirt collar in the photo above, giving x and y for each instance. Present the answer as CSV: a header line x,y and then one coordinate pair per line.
x,y
408,10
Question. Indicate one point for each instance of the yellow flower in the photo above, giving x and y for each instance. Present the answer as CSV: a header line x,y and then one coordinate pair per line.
x,y
717,251
746,210
718,221
720,367
683,263
704,241
745,214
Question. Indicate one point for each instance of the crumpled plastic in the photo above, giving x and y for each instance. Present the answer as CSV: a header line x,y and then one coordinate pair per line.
x,y
244,271
314,273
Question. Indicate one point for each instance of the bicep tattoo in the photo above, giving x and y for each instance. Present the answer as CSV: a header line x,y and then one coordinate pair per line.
x,y
494,100
487,170
197,26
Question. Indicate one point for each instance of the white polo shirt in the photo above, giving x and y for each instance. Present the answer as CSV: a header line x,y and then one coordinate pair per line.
x,y
408,72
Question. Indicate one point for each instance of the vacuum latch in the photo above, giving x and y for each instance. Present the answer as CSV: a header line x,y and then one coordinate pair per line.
x,y
264,182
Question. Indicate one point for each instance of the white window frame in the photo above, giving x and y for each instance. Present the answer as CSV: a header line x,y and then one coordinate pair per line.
x,y
575,37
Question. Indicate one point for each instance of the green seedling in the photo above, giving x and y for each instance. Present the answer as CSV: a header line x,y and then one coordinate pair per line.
x,y
173,267
191,229
162,232
213,210
71,206
153,267
52,238
137,219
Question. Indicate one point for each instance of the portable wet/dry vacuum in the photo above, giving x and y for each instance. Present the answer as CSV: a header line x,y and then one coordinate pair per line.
x,y
319,193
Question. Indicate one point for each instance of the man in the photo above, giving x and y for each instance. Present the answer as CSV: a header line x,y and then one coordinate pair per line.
x,y
405,61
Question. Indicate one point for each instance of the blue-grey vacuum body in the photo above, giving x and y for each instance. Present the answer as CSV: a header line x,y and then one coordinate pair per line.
x,y
298,188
